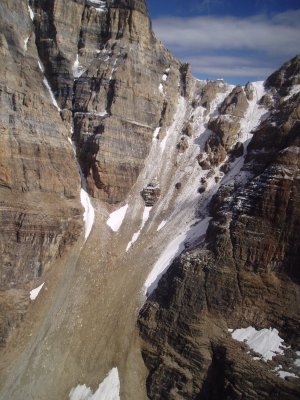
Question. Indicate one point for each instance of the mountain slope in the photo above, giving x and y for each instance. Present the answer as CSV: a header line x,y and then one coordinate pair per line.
x,y
201,170
245,273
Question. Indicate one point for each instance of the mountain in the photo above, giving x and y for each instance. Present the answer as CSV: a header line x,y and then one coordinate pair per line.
x,y
150,221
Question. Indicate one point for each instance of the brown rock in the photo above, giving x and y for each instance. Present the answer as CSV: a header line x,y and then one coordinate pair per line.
x,y
151,194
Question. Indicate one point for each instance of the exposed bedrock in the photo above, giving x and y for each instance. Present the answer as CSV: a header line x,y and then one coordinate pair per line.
x,y
246,273
40,213
106,66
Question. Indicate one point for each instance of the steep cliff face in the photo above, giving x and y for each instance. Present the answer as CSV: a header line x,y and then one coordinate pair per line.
x,y
38,188
108,69
202,170
246,272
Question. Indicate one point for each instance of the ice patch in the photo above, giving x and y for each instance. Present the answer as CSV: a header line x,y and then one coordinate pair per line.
x,y
109,389
161,225
266,342
31,13
116,218
35,292
173,249
136,235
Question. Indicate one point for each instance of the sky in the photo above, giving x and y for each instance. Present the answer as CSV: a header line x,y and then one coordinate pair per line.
x,y
237,40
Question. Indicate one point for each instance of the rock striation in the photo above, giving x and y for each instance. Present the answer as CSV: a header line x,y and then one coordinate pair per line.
x,y
117,81
172,150
40,214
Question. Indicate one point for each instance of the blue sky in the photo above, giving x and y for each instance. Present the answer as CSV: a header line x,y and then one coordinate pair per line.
x,y
238,40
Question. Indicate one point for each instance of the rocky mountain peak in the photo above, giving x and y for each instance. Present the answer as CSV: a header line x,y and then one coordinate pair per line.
x,y
129,190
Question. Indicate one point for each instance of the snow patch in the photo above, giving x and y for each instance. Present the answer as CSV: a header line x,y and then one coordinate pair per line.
x,y
26,43
161,88
136,235
35,292
161,225
31,13
77,69
173,249
155,133
116,218
266,342
294,90
284,374
109,389
89,212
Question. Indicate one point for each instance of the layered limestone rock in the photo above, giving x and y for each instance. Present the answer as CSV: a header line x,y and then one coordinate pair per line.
x,y
245,273
126,85
39,191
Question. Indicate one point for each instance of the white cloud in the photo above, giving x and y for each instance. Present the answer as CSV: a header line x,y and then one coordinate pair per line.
x,y
229,66
203,38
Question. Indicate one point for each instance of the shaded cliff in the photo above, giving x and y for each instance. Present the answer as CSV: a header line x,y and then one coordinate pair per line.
x,y
40,211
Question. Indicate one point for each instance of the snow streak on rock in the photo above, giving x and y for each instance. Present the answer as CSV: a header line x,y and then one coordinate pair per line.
x,y
136,235
173,249
31,13
54,102
109,389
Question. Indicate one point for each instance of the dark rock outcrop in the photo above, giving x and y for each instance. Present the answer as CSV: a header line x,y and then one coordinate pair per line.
x,y
151,194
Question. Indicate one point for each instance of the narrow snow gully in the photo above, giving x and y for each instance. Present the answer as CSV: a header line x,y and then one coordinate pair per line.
x,y
89,212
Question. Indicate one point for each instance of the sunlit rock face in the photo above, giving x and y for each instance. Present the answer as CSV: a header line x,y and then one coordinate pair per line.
x,y
162,149
108,69
246,273
40,211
